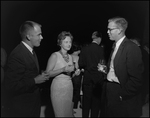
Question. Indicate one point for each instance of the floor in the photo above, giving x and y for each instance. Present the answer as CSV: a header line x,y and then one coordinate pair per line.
x,y
78,111
145,111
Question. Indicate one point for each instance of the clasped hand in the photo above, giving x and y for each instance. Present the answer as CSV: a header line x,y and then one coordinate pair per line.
x,y
69,68
41,78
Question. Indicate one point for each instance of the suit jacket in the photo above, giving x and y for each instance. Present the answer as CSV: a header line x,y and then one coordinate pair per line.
x,y
89,59
22,67
128,67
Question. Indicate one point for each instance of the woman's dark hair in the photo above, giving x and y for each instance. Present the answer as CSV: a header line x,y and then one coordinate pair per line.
x,y
75,47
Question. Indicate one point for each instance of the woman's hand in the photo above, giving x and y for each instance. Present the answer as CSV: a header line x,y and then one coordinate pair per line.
x,y
77,72
69,68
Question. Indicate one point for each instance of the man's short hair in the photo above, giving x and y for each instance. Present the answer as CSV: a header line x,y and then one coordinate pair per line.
x,y
121,22
96,34
26,26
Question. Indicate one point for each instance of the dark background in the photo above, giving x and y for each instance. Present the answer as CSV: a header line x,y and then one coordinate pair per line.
x,y
80,18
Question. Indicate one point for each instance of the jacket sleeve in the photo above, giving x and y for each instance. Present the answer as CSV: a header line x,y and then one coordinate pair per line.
x,y
18,78
134,69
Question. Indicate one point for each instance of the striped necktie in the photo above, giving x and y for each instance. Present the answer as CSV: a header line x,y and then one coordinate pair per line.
x,y
35,58
113,55
34,55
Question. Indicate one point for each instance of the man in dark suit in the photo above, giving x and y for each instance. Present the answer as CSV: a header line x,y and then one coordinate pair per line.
x,y
22,73
92,78
124,74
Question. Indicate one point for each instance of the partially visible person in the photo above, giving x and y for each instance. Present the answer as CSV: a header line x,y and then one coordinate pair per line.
x,y
3,62
145,53
22,73
124,76
4,108
89,58
136,41
146,48
85,44
76,48
145,58
60,65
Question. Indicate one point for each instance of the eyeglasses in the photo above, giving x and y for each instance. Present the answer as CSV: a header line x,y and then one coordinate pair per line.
x,y
112,29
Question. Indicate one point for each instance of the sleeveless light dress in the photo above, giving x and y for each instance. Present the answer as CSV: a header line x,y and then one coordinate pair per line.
x,y
62,90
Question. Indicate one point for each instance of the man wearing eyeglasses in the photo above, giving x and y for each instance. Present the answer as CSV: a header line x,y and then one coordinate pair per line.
x,y
124,75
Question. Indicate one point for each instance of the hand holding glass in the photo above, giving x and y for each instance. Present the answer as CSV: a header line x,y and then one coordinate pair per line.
x,y
101,66
77,72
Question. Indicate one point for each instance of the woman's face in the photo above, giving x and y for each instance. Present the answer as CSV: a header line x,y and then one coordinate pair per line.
x,y
66,43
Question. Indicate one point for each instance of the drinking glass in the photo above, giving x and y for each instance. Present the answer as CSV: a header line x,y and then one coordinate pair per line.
x,y
103,65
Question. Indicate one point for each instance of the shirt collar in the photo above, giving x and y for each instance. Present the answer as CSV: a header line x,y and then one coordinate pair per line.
x,y
27,46
119,42
94,42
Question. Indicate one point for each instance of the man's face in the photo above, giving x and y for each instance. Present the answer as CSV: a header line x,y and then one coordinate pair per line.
x,y
112,31
35,36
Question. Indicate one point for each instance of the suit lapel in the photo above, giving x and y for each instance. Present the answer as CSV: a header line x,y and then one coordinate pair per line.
x,y
31,56
118,54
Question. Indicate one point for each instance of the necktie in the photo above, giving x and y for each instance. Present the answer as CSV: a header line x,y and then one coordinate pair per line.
x,y
113,55
35,58
114,45
34,55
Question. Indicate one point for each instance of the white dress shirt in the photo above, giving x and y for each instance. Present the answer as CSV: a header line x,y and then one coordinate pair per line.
x,y
28,47
111,74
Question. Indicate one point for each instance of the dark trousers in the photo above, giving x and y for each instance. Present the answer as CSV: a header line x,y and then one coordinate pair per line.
x,y
24,105
114,104
25,109
103,100
5,102
127,107
76,90
91,100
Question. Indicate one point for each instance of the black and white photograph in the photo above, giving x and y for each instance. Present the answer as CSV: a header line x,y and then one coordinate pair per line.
x,y
74,59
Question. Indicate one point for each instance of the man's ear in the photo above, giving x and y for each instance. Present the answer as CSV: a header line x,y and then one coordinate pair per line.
x,y
120,30
28,37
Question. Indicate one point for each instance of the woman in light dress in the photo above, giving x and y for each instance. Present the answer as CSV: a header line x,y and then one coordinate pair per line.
x,y
60,66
